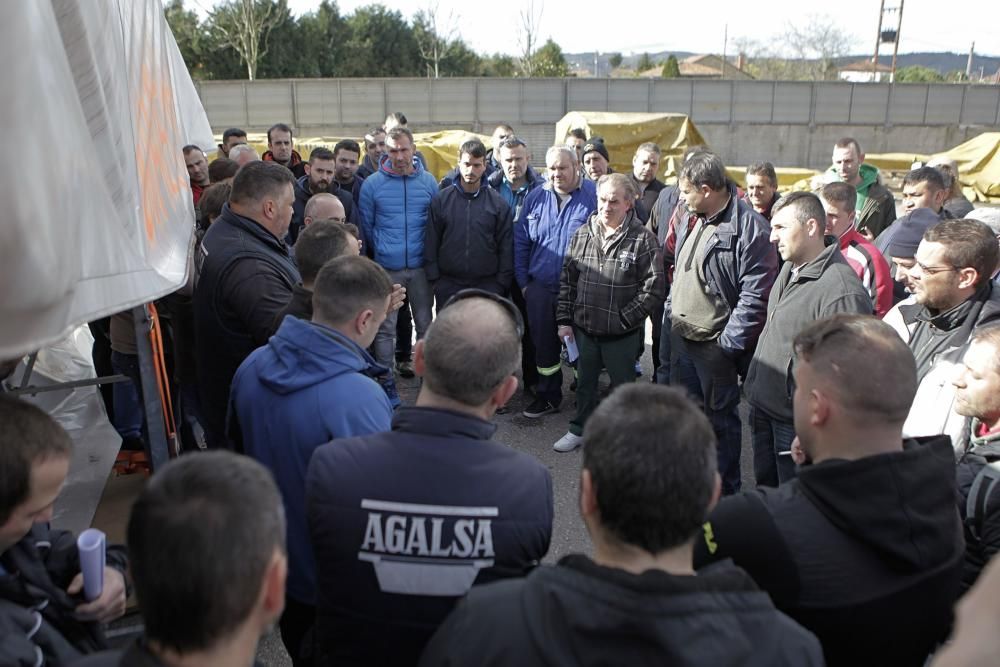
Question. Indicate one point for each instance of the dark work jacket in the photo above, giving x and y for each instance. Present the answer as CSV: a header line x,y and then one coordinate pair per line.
x,y
296,164
300,306
662,211
532,181
469,237
823,287
740,266
35,610
403,523
647,201
302,195
581,613
454,176
246,279
867,554
770,207
982,532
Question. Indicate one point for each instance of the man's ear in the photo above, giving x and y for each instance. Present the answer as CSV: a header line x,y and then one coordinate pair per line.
x,y
967,277
272,595
307,168
419,365
503,392
588,494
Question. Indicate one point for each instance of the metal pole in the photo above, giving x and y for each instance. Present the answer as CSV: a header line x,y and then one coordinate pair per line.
x,y
895,46
152,408
878,41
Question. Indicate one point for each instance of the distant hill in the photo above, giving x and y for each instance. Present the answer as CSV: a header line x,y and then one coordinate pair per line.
x,y
941,62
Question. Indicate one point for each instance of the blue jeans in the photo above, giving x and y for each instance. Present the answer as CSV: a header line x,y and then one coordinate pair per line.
x,y
130,415
770,438
711,380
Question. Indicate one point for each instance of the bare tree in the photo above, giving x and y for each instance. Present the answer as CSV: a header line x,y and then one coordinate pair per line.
x,y
434,33
244,25
527,36
819,41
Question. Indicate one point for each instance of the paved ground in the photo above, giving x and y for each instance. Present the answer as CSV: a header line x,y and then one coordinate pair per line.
x,y
536,437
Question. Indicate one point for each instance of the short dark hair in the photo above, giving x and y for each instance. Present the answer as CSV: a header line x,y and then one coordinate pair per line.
x,y
28,435
472,148
190,148
866,366
258,180
347,285
839,193
805,205
397,117
280,127
321,153
704,168
765,169
320,242
200,537
847,142
348,145
651,454
233,132
578,133
928,175
967,243
212,201
470,349
222,168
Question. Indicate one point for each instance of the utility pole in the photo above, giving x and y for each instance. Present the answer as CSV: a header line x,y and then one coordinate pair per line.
x,y
595,63
725,43
878,42
895,46
968,65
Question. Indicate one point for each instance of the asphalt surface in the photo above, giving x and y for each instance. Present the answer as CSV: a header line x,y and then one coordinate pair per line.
x,y
536,437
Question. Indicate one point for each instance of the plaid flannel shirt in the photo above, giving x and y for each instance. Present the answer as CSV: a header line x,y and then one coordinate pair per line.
x,y
610,292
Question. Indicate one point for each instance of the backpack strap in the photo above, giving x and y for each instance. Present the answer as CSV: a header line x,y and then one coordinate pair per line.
x,y
977,505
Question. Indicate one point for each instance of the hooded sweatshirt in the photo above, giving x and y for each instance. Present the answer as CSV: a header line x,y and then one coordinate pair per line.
x,y
310,384
581,613
867,554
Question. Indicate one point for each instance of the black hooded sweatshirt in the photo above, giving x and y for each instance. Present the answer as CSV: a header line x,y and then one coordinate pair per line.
x,y
581,613
867,554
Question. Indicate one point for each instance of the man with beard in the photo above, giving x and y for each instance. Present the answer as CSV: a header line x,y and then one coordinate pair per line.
x,y
319,177
279,149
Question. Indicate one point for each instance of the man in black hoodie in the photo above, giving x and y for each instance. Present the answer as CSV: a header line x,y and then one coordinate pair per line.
x,y
649,478
864,547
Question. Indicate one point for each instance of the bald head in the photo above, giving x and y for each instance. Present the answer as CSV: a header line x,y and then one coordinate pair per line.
x,y
470,350
324,206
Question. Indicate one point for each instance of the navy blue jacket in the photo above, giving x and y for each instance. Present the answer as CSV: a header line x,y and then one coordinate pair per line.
x,y
302,195
470,237
309,385
542,232
393,212
404,523
516,201
740,266
246,279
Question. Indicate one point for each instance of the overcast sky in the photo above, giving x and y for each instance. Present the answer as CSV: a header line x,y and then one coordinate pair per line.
x,y
635,27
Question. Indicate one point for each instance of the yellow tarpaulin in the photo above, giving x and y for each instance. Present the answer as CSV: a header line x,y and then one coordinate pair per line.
x,y
440,149
623,132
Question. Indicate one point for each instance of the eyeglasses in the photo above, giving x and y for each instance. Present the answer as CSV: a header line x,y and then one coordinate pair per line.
x,y
506,304
931,270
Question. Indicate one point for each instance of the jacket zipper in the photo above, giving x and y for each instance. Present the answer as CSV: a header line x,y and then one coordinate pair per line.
x,y
406,229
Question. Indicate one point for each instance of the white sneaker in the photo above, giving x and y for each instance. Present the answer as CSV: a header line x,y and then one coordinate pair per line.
x,y
568,442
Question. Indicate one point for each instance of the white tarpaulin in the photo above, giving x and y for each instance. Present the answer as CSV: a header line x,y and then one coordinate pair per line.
x,y
98,211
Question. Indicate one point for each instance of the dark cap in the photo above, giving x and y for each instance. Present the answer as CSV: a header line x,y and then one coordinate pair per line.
x,y
908,231
598,146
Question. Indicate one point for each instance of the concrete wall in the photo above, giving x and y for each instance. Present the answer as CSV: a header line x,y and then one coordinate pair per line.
x,y
789,123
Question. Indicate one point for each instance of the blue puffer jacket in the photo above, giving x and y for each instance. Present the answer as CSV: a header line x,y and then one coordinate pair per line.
x,y
307,386
394,214
542,232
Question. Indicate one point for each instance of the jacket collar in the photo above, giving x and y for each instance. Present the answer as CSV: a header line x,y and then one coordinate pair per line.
x,y
954,317
814,269
442,423
253,228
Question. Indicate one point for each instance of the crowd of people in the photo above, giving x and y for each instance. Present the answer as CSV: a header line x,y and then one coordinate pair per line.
x,y
371,532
